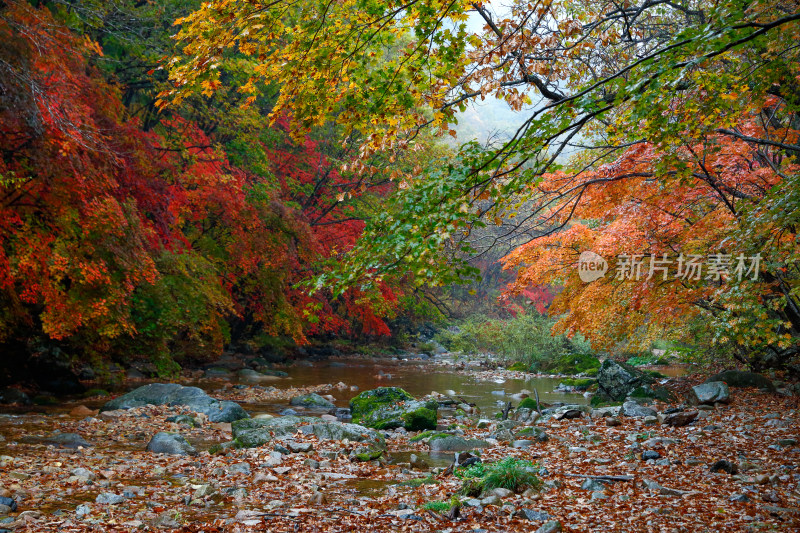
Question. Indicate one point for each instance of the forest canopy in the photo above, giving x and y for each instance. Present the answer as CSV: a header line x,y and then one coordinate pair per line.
x,y
652,128
180,176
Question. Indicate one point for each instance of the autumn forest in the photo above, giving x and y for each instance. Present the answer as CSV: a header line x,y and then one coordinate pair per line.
x,y
255,193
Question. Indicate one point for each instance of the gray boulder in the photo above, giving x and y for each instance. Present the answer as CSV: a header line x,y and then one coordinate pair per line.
x,y
14,396
711,392
637,410
526,416
342,431
173,394
452,443
251,433
252,376
533,515
67,440
616,380
170,444
738,378
313,400
553,526
533,432
109,498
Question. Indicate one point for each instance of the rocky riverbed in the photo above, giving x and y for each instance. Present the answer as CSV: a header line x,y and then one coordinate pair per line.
x,y
710,458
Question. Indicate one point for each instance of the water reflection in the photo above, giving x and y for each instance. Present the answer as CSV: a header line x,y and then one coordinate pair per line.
x,y
419,379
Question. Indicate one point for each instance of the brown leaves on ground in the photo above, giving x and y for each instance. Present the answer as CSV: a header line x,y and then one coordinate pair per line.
x,y
257,490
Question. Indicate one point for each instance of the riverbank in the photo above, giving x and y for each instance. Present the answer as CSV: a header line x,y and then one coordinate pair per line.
x,y
599,470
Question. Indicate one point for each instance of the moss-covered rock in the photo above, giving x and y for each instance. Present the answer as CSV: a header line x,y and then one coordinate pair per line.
x,y
313,401
602,401
652,392
527,403
578,383
519,367
370,400
575,363
422,418
533,431
392,407
617,380
366,455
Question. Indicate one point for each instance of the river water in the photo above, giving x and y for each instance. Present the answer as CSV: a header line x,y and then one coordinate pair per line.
x,y
487,390
420,378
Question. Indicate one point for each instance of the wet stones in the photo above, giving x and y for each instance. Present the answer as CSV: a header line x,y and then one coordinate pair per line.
x,y
680,419
67,440
108,498
312,401
710,393
635,409
170,444
173,394
453,443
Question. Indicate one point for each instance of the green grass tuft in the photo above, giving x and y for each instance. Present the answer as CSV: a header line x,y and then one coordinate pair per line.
x,y
437,506
510,473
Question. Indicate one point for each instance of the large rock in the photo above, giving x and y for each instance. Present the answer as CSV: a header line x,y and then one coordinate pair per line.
x,y
392,407
738,378
67,440
343,430
616,380
453,443
252,376
170,444
253,433
14,396
313,400
680,419
526,416
711,392
636,410
173,394
533,432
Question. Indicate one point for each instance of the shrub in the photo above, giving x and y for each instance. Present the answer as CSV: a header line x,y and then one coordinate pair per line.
x,y
648,359
526,339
